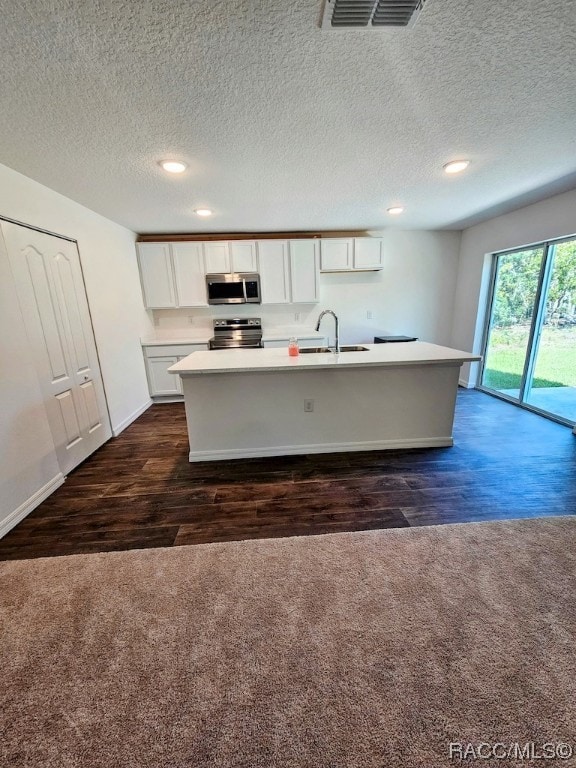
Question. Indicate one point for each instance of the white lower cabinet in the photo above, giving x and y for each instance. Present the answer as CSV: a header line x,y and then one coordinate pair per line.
x,y
158,359
161,382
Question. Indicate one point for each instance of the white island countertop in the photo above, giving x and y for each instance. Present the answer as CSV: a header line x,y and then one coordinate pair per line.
x,y
263,360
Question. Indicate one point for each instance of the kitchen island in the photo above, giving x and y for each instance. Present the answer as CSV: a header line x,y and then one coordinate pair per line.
x,y
262,402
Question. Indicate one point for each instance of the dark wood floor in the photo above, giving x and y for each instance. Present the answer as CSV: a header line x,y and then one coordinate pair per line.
x,y
139,490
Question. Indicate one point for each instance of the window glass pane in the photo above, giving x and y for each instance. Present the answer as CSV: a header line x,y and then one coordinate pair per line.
x,y
513,307
553,386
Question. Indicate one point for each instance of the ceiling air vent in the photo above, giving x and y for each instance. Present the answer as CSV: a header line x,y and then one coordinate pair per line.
x,y
370,14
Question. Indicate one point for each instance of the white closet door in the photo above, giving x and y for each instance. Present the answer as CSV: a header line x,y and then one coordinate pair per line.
x,y
51,293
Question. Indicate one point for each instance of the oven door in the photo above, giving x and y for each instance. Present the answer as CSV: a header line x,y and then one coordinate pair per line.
x,y
232,343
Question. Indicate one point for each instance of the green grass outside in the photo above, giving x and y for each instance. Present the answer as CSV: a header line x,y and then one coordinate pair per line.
x,y
555,366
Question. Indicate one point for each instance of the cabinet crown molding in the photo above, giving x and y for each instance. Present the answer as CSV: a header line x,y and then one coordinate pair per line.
x,y
183,237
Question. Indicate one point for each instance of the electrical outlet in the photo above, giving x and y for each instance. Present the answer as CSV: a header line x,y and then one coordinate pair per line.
x,y
191,320
308,406
297,316
369,315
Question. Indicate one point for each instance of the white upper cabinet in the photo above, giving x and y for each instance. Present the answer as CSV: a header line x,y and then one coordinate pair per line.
x,y
230,256
172,275
336,254
243,257
367,253
217,257
157,275
304,271
274,271
350,254
289,271
189,272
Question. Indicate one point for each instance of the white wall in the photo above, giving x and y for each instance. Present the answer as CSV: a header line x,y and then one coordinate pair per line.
x,y
551,218
413,295
108,258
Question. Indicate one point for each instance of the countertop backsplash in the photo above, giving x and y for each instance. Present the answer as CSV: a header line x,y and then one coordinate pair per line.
x,y
182,322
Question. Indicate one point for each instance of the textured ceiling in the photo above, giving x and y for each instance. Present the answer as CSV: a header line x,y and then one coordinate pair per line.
x,y
286,126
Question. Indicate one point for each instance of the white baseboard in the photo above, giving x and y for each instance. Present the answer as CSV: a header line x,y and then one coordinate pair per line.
x,y
133,416
292,450
24,509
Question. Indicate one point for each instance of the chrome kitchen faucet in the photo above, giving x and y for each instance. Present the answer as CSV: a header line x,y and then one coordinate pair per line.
x,y
337,339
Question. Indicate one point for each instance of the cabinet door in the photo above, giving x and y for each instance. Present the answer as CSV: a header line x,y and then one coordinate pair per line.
x,y
304,271
157,276
161,382
189,274
178,378
217,257
367,253
336,254
274,271
243,256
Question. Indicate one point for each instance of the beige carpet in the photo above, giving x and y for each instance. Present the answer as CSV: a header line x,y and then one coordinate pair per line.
x,y
363,649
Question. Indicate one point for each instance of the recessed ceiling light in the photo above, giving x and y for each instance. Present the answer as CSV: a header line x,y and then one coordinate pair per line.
x,y
456,166
173,166
395,210
203,212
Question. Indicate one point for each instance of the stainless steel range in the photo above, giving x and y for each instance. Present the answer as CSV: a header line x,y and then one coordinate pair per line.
x,y
243,332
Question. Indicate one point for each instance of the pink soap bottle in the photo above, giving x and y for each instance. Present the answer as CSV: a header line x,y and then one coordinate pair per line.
x,y
293,349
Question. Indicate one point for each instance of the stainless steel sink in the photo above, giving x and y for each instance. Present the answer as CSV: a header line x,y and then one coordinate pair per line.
x,y
319,350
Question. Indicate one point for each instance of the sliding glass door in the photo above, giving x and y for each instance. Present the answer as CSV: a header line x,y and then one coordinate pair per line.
x,y
551,381
530,343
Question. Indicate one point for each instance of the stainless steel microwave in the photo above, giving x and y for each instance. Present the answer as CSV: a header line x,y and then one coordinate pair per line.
x,y
233,288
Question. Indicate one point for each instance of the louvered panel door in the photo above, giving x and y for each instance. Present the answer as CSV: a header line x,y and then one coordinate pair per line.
x,y
51,292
